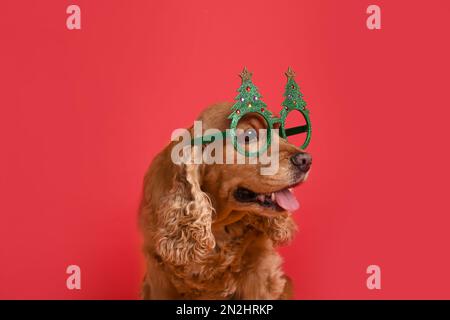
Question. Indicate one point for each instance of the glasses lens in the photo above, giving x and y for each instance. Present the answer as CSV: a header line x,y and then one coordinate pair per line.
x,y
295,128
251,133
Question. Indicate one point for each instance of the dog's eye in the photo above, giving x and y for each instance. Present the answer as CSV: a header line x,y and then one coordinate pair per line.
x,y
250,135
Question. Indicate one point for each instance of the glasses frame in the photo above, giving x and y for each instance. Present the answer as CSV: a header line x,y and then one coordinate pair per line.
x,y
271,121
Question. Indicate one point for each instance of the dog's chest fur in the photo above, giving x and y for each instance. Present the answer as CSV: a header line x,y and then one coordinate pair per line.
x,y
240,251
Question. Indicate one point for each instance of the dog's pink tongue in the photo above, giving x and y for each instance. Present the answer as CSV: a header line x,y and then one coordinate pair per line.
x,y
286,199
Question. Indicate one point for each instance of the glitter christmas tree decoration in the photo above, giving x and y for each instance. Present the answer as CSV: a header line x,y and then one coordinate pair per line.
x,y
293,96
294,102
249,101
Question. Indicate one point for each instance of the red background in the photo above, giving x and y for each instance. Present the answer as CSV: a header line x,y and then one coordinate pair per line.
x,y
83,113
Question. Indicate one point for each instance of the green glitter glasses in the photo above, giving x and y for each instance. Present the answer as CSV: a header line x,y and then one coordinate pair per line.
x,y
293,122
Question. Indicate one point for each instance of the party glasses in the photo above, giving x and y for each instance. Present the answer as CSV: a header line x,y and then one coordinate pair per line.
x,y
293,121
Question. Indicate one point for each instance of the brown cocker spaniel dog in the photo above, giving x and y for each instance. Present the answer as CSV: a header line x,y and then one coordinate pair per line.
x,y
210,231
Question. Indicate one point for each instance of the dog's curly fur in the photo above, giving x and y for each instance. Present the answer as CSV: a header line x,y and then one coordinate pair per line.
x,y
199,242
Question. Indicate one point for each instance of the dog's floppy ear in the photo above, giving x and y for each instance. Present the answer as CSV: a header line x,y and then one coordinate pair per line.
x,y
180,210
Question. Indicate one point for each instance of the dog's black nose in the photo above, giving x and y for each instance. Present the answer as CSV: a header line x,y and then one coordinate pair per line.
x,y
302,161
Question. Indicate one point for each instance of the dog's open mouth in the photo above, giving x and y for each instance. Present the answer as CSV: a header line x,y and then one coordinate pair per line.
x,y
281,200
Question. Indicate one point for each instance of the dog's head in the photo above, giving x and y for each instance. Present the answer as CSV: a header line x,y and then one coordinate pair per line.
x,y
183,203
239,187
